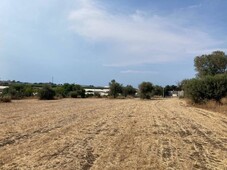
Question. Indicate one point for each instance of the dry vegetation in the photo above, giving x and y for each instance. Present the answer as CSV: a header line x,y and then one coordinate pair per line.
x,y
111,134
212,105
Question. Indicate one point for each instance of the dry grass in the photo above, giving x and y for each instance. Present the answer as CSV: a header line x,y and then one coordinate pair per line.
x,y
224,101
213,106
110,134
5,99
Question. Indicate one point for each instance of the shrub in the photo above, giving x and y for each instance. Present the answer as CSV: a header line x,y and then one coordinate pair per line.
x,y
19,91
89,95
14,93
206,88
73,94
69,88
81,93
5,99
97,95
194,90
46,93
28,91
60,92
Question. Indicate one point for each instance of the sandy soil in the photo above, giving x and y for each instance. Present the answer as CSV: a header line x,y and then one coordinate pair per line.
x,y
111,134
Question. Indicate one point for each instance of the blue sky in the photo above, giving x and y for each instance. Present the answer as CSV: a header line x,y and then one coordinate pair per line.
x,y
91,42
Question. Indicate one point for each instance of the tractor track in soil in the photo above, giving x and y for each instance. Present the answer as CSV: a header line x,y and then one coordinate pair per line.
x,y
111,134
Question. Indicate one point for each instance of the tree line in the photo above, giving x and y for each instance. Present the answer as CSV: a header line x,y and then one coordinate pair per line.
x,y
146,90
48,91
210,83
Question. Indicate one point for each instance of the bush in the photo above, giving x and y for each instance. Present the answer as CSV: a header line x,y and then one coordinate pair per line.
x,y
14,93
19,91
58,96
46,93
193,90
73,94
5,99
81,93
67,89
97,95
206,88
146,90
60,91
89,95
28,91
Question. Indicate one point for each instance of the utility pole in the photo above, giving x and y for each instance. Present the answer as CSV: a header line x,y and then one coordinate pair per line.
x,y
52,79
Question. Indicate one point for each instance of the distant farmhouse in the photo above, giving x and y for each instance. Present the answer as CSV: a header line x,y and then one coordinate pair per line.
x,y
176,93
101,91
2,88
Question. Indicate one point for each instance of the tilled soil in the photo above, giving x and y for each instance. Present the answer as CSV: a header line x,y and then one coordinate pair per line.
x,y
111,134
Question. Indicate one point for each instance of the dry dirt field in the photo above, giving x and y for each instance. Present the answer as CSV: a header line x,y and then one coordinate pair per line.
x,y
111,134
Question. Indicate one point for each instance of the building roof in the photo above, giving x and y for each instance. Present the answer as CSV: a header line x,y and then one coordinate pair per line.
x,y
3,87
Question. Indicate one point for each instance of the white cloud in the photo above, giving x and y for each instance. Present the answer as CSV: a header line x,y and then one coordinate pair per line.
x,y
195,6
138,72
140,37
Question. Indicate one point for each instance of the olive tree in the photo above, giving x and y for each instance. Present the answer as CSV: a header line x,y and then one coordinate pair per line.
x,y
46,93
146,90
211,64
115,88
129,91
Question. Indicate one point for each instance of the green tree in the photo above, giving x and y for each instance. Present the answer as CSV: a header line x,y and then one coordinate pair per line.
x,y
67,88
79,90
75,88
129,91
211,64
146,90
46,93
158,90
115,88
170,88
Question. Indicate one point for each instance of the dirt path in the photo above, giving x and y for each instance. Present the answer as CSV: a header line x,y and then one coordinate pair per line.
x,y
111,134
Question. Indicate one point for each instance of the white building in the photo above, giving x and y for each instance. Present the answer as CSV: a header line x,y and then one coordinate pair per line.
x,y
176,93
2,88
102,92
